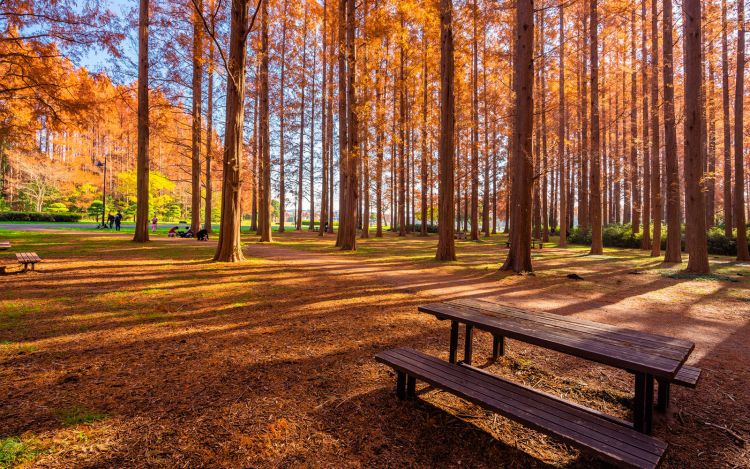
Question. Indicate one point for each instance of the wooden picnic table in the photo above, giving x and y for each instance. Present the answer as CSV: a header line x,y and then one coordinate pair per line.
x,y
27,258
647,356
4,245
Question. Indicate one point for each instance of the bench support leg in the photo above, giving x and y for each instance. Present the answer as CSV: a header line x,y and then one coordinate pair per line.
x,y
498,346
411,387
401,385
454,342
644,402
468,344
662,400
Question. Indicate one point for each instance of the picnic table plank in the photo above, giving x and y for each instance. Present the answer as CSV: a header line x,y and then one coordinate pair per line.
x,y
575,337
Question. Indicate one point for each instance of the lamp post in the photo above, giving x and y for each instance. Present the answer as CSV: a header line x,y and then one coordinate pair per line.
x,y
103,165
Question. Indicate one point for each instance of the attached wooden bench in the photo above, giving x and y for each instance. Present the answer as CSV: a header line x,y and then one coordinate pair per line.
x,y
459,235
4,245
27,258
610,440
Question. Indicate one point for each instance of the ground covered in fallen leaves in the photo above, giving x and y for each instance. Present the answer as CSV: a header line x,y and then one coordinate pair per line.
x,y
123,355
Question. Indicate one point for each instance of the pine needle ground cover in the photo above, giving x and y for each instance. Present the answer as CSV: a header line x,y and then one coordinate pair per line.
x,y
116,354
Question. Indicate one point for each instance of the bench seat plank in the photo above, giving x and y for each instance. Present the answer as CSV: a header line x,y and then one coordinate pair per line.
x,y
687,376
617,444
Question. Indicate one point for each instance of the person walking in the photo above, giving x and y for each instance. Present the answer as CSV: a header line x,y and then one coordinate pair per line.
x,y
154,223
118,221
110,221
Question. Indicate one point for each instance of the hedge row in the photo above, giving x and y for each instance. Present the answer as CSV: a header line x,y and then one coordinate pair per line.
x,y
40,216
622,236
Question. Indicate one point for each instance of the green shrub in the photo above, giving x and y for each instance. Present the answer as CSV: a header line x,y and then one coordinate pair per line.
x,y
57,207
40,216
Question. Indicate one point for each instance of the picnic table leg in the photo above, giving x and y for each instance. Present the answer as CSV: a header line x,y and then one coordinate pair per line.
x,y
401,385
454,342
662,401
643,403
468,344
498,346
411,387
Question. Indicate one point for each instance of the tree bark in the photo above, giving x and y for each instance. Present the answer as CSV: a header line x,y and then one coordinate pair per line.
x,y
425,157
446,250
228,249
207,216
728,215
739,129
264,201
596,196
563,240
656,208
695,202
635,205
300,160
197,88
673,253
282,122
519,255
142,185
646,185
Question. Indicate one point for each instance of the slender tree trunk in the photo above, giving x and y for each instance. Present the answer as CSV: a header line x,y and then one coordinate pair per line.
x,y
739,128
596,195
282,122
142,173
635,216
563,241
711,164
401,139
670,144
646,185
486,159
197,88
311,226
543,117
324,128
656,208
379,139
301,158
446,250
728,215
264,210
255,173
474,127
519,254
425,157
228,249
695,203
584,209
207,216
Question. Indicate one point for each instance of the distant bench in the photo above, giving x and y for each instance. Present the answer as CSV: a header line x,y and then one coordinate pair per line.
x,y
533,243
459,235
27,258
4,245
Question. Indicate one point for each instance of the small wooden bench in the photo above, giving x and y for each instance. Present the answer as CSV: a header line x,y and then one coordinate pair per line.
x,y
4,245
612,441
27,258
533,242
687,376
459,235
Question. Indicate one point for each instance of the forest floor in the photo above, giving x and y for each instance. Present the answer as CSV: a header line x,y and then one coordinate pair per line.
x,y
114,354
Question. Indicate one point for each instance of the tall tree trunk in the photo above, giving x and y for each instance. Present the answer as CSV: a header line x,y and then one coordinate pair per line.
x,y
486,162
543,117
646,185
728,215
739,129
282,122
596,195
656,208
349,185
142,186
670,143
695,203
324,128
425,157
584,209
311,225
401,138
563,240
379,140
228,249
264,201
301,158
635,216
197,88
446,250
207,216
711,164
519,255
474,127
255,173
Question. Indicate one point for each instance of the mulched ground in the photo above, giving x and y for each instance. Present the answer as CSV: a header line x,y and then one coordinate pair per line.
x,y
115,354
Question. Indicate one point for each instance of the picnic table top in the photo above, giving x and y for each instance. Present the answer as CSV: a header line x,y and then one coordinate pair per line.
x,y
627,349
27,257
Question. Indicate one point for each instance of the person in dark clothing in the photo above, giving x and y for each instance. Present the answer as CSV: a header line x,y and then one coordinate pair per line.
x,y
202,235
110,220
118,221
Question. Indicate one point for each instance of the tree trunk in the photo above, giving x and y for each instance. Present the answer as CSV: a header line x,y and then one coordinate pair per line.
x,y
695,202
739,128
208,217
446,250
670,144
635,216
728,215
711,154
195,204
474,127
656,208
264,201
646,209
563,241
519,254
596,195
401,139
379,140
142,185
584,209
300,159
486,162
324,129
228,249
282,122
543,117
425,157
311,225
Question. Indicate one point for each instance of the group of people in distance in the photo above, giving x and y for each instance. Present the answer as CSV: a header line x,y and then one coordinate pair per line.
x,y
175,232
113,220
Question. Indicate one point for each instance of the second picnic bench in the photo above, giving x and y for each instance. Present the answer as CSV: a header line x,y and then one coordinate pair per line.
x,y
27,258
